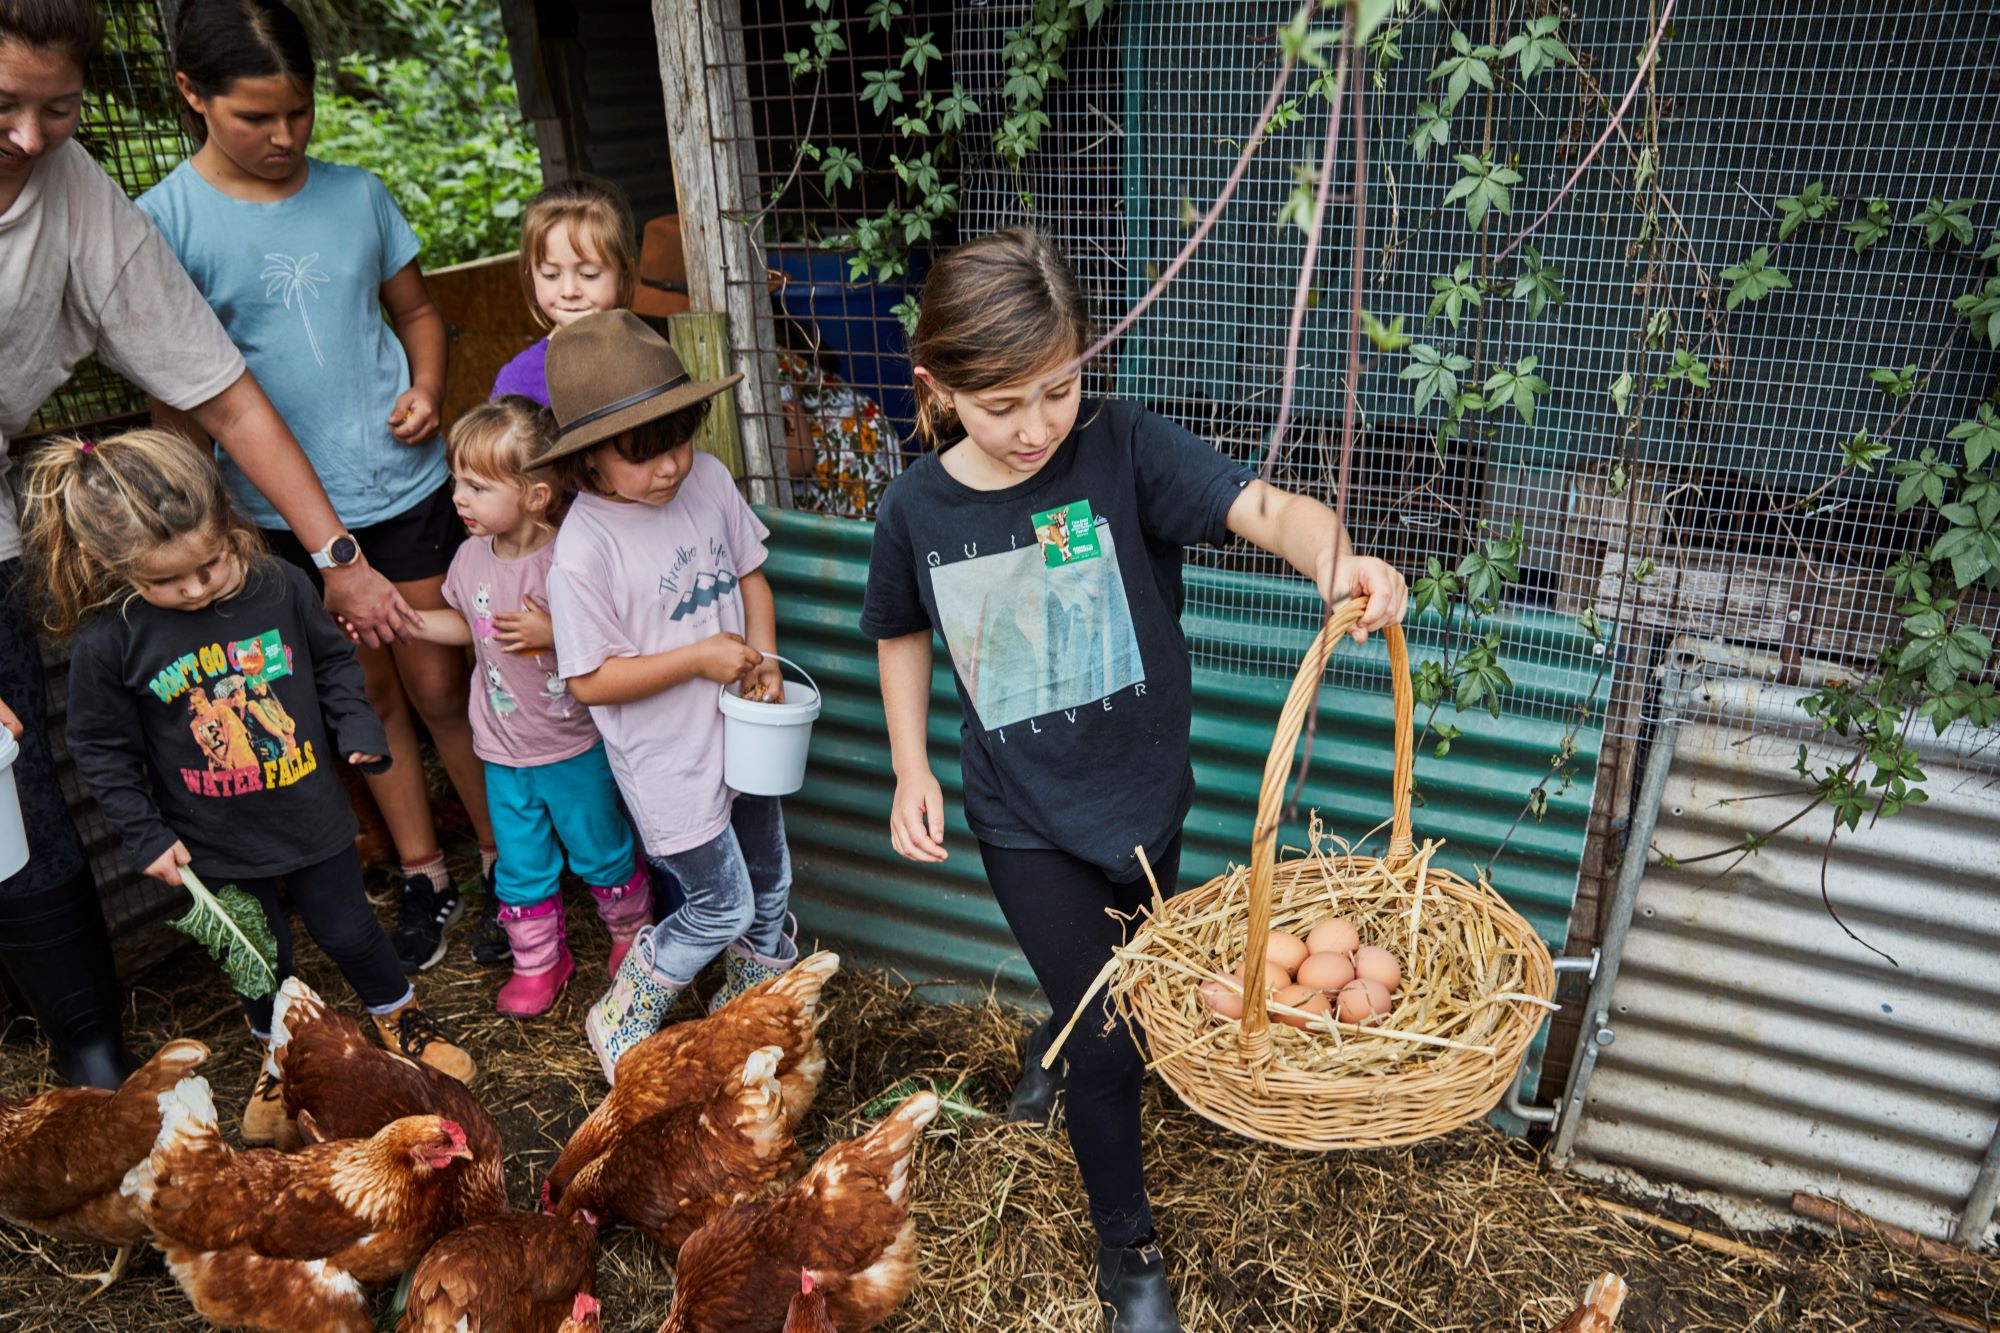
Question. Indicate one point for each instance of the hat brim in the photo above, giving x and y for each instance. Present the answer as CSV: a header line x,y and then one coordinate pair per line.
x,y
630,418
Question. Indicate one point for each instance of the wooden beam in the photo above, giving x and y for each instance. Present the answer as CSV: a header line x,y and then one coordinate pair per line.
x,y
714,165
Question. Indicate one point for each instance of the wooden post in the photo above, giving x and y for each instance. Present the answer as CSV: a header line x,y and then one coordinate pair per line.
x,y
715,175
701,340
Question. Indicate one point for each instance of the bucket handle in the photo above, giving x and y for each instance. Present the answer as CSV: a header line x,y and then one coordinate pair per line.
x,y
801,670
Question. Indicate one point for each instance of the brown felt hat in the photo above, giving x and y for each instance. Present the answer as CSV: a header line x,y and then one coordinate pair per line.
x,y
609,373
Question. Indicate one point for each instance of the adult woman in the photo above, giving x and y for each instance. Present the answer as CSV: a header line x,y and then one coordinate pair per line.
x,y
82,273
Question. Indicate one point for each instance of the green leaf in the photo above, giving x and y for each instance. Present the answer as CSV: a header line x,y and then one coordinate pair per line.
x,y
231,925
881,87
1621,393
1538,47
1540,284
1436,373
1753,279
906,312
1433,129
1389,339
1982,308
1870,228
1471,64
1861,452
1992,250
1686,367
1980,436
1940,219
883,12
1484,187
1454,293
1895,383
839,168
919,51
1301,43
1922,478
1368,16
1810,205
1591,624
1519,387
1298,205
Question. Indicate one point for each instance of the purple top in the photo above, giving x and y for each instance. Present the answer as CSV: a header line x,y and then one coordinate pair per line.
x,y
527,374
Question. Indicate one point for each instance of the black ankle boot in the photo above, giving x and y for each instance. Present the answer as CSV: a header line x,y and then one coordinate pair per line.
x,y
103,1063
1132,1287
1034,1099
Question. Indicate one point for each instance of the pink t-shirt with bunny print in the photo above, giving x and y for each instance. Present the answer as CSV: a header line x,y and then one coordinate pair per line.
x,y
522,713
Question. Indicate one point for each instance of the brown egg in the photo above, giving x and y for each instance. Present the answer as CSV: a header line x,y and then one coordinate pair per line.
x,y
1333,935
1372,964
1286,950
1222,998
1325,971
1363,1000
1301,997
1274,976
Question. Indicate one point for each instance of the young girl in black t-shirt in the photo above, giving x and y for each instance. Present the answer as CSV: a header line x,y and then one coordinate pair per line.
x,y
210,695
1043,543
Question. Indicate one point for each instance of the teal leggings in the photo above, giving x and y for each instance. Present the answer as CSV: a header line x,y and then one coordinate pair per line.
x,y
541,812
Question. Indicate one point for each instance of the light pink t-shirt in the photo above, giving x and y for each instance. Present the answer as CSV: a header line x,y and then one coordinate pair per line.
x,y
631,580
522,712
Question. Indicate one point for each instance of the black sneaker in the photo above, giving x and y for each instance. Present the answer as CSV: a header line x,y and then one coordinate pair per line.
x,y
422,919
489,938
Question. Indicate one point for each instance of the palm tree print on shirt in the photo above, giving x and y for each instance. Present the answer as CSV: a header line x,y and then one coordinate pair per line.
x,y
295,280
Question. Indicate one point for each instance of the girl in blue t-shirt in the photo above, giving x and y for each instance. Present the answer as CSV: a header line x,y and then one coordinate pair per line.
x,y
301,258
1043,544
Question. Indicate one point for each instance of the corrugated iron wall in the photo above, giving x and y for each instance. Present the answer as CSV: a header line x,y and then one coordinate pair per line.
x,y
939,922
1759,1050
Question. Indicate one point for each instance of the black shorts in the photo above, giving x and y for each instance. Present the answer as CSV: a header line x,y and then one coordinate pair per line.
x,y
416,544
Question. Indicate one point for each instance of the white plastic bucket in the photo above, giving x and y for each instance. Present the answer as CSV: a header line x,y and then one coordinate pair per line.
x,y
764,745
13,832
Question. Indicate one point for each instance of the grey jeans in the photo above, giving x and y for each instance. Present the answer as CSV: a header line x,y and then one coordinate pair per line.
x,y
738,886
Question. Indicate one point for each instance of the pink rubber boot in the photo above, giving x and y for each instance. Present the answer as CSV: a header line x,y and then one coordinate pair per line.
x,y
542,962
625,909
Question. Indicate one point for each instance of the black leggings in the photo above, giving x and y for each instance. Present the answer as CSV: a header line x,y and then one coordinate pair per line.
x,y
1056,905
330,900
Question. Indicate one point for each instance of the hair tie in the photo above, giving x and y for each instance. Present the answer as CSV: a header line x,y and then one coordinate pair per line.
x,y
86,446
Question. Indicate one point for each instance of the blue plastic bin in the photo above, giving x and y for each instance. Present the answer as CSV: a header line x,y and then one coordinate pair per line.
x,y
854,323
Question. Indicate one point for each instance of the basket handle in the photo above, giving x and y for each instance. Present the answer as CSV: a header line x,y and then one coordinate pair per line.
x,y
1256,1034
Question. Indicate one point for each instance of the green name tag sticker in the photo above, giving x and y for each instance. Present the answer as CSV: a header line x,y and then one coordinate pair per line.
x,y
1067,534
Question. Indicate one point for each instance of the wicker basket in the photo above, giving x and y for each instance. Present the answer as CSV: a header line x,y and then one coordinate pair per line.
x,y
1489,975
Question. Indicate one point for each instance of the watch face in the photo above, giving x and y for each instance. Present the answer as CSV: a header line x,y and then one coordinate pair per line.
x,y
343,550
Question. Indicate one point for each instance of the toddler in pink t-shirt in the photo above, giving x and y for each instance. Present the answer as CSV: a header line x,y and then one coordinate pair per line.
x,y
548,782
659,600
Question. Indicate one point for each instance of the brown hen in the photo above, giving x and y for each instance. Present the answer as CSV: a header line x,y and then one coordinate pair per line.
x,y
671,1172
687,1061
1599,1311
261,1239
584,1316
847,1223
808,1312
520,1273
340,1085
63,1154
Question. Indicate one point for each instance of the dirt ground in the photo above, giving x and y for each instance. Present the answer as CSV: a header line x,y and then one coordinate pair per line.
x,y
1460,1234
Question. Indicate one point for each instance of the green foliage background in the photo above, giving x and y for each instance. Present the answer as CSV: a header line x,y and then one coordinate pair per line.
x,y
424,98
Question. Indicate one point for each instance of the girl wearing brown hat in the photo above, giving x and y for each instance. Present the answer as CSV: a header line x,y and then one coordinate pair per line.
x,y
1042,541
659,600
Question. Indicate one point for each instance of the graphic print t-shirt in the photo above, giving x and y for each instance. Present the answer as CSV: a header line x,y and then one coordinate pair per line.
x,y
1059,602
630,580
221,727
522,712
298,285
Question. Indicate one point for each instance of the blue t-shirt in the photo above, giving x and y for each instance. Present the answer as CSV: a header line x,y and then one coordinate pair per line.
x,y
298,285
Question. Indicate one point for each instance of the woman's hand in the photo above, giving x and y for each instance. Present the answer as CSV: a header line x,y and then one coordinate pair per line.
x,y
1363,576
528,631
9,721
414,418
726,658
374,612
916,818
167,865
766,683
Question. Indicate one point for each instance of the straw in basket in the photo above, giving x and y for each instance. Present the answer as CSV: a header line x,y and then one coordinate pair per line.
x,y
1477,979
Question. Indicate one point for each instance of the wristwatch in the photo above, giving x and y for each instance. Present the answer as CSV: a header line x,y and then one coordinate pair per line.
x,y
340,551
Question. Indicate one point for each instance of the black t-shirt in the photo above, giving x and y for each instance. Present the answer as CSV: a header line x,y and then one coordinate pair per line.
x,y
1059,600
221,727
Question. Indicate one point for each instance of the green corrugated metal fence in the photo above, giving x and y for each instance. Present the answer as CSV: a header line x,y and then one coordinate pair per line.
x,y
939,922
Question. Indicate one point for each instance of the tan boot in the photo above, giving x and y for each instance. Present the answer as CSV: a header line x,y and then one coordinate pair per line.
x,y
412,1032
264,1116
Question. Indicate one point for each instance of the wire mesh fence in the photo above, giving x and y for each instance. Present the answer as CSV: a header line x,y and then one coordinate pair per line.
x,y
1691,468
